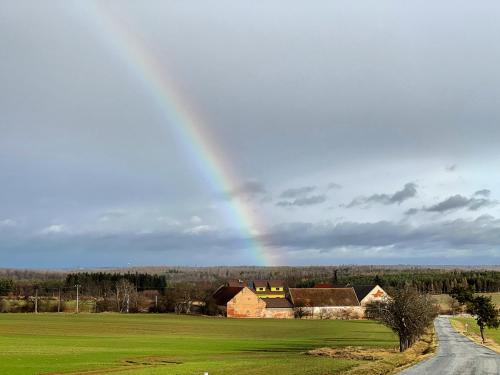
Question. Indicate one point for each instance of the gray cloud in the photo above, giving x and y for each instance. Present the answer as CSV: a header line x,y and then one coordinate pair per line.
x,y
411,211
483,192
249,190
480,233
457,202
451,168
408,191
333,185
454,242
297,192
304,201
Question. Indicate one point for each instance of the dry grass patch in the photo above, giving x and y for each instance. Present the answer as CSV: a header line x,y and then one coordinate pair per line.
x,y
357,353
381,361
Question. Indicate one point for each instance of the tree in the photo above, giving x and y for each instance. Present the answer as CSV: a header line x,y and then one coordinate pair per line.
x,y
300,311
482,307
408,313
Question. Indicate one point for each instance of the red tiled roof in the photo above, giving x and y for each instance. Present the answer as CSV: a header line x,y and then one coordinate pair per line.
x,y
323,297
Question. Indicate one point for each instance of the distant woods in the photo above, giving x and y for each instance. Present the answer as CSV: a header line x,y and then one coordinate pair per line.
x,y
424,280
185,289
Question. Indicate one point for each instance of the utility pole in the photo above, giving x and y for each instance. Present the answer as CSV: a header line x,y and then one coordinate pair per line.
x,y
36,300
77,298
59,301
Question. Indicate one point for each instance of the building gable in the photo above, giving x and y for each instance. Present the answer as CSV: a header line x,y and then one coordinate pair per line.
x,y
245,304
376,293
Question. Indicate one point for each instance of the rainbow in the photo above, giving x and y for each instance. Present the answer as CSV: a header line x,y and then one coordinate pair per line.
x,y
184,123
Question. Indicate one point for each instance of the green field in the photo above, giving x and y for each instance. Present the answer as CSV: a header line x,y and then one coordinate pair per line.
x,y
174,344
490,334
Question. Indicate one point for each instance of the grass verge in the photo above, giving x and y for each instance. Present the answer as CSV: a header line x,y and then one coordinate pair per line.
x,y
492,336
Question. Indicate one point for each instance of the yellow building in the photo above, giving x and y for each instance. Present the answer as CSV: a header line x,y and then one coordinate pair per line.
x,y
269,288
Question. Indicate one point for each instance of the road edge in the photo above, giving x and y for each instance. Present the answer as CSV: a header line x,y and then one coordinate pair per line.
x,y
473,337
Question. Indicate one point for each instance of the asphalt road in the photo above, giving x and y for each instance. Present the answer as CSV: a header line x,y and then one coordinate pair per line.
x,y
456,354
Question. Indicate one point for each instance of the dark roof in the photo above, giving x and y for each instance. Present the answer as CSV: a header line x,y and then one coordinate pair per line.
x,y
226,293
276,283
268,293
322,297
362,290
236,282
277,303
260,283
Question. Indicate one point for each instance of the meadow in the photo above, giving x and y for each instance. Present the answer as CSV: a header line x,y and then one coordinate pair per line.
x,y
177,344
444,300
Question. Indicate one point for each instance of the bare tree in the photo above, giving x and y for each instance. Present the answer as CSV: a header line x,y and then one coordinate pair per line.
x,y
126,295
408,313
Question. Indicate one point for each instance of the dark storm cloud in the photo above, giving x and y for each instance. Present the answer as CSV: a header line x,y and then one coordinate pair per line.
x,y
304,201
483,232
297,192
461,240
408,191
457,202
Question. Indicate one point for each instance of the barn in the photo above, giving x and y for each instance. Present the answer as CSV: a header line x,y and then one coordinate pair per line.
x,y
326,303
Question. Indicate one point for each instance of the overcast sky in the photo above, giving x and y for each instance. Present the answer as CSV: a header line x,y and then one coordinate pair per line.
x,y
359,132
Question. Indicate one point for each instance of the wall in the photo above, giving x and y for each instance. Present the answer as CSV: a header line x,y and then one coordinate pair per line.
x,y
334,312
282,313
245,305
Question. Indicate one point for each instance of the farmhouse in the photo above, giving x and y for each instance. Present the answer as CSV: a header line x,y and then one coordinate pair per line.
x,y
326,303
270,299
243,302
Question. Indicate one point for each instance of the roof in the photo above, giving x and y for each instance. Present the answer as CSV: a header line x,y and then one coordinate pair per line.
x,y
277,303
225,294
236,282
363,290
260,283
276,283
323,285
323,297
268,293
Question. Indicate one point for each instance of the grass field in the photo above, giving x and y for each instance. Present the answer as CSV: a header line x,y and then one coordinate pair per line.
x,y
490,334
172,344
444,300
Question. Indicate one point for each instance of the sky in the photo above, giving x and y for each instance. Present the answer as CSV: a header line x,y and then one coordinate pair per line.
x,y
332,132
